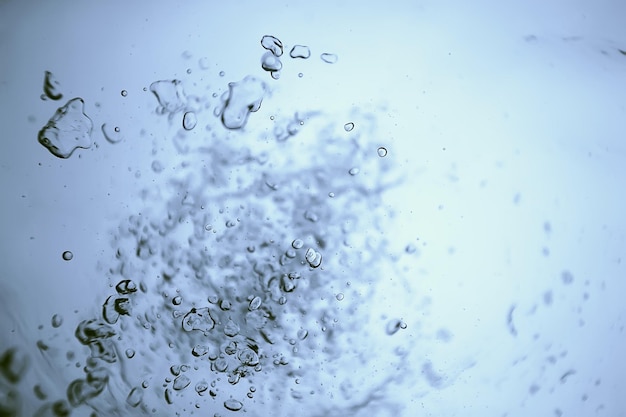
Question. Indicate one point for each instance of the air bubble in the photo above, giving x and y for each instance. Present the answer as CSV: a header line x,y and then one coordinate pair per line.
x,y
169,94
339,297
157,166
348,127
198,319
302,334
300,51
67,255
329,58
199,350
51,87
272,44
244,97
313,258
271,63
130,353
382,152
112,135
57,321
181,382
189,120
331,195
68,129
124,93
394,325
354,171
297,244
255,304
177,300
201,387
233,405
126,287
231,328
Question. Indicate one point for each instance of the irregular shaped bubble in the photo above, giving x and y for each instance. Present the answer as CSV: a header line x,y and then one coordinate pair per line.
x,y
329,58
181,382
348,127
248,357
170,95
198,319
300,51
126,287
134,397
313,258
189,120
394,325
68,129
109,314
271,63
272,44
199,350
233,405
231,328
111,133
201,387
51,87
13,364
244,97
157,166
382,152
81,390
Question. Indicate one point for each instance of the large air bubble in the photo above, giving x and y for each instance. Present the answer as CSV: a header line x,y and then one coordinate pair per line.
x,y
67,130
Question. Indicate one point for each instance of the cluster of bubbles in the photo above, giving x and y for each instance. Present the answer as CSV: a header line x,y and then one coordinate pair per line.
x,y
241,285
270,61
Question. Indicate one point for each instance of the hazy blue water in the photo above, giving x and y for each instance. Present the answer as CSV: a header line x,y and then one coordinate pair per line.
x,y
321,209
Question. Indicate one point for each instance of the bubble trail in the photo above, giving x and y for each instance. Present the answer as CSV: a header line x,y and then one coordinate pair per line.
x,y
67,130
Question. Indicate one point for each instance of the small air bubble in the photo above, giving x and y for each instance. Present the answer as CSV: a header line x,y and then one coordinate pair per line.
x,y
222,73
348,126
331,195
57,321
382,152
353,171
67,255
130,353
233,405
300,75
124,93
177,300
297,244
189,120
339,297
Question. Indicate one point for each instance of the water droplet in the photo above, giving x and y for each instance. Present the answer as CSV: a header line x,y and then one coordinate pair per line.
x,y
57,321
244,97
189,120
255,304
233,405
348,127
124,93
297,244
354,171
169,94
51,87
67,255
272,44
130,353
112,135
382,152
68,129
270,63
181,382
177,300
339,297
300,51
329,58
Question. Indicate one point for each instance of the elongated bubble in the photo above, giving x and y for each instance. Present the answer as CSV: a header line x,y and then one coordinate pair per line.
x,y
51,87
272,44
300,51
329,58
68,129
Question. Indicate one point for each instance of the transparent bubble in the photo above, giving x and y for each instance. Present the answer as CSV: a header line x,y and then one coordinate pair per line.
x,y
233,405
130,353
134,397
354,171
348,127
124,93
157,166
255,303
272,44
111,134
67,255
300,51
51,87
57,321
339,297
177,300
313,258
244,97
67,130
329,58
169,94
189,120
394,325
181,382
382,152
271,63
